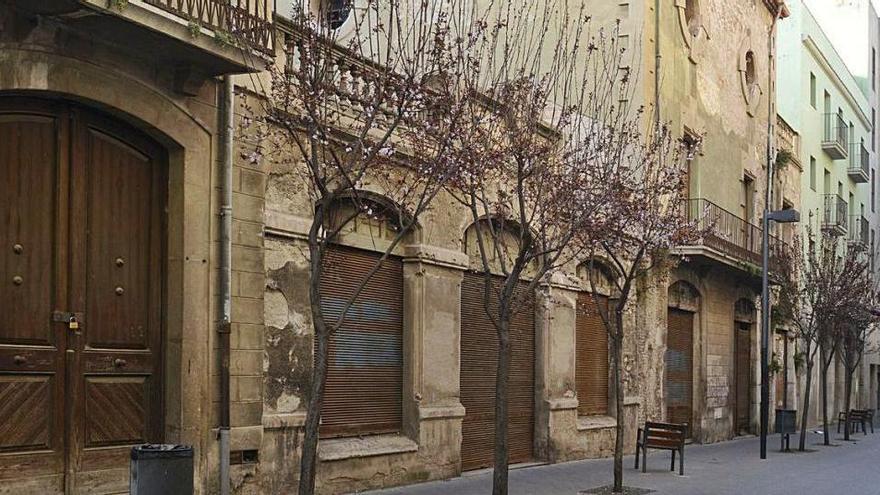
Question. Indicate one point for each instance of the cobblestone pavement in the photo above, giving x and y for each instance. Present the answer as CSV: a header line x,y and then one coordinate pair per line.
x,y
727,468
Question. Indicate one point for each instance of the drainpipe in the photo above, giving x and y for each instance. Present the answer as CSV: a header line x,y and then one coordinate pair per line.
x,y
224,158
765,290
657,64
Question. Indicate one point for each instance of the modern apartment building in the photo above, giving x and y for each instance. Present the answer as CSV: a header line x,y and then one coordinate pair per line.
x,y
827,94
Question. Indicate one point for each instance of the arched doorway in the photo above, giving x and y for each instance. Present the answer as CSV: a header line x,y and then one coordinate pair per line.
x,y
83,239
479,357
744,322
683,305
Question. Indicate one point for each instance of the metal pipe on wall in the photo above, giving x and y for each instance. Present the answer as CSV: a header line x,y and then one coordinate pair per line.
x,y
225,121
657,64
765,291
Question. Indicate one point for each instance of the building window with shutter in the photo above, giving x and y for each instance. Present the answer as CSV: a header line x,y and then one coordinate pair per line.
x,y
364,388
591,339
591,354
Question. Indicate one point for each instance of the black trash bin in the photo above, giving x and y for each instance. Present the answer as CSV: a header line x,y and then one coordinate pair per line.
x,y
161,470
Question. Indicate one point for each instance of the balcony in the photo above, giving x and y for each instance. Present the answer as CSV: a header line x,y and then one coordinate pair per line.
x,y
834,214
858,231
731,237
859,169
194,38
835,139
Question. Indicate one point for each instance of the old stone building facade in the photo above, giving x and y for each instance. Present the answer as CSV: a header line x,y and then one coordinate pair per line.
x,y
410,397
109,136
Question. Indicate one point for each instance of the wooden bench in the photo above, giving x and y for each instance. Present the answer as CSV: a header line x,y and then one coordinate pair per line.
x,y
857,418
662,436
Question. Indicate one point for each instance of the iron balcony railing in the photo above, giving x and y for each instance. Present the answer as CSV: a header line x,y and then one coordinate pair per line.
x,y
859,163
858,230
730,234
247,20
836,135
834,215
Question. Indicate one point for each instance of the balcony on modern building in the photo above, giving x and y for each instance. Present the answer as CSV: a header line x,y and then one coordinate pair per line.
x,y
729,238
834,214
835,139
858,231
859,169
196,38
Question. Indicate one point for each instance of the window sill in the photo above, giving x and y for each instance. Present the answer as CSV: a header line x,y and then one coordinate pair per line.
x,y
338,449
599,422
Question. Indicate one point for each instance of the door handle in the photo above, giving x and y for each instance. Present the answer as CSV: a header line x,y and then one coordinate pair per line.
x,y
119,363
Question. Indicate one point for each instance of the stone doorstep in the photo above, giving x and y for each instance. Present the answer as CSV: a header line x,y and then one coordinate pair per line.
x,y
368,446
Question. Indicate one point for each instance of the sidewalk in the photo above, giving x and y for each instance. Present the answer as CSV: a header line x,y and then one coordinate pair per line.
x,y
727,468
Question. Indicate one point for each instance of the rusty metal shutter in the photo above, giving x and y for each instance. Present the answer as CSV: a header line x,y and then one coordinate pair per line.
x,y
679,366
479,355
365,370
743,376
591,355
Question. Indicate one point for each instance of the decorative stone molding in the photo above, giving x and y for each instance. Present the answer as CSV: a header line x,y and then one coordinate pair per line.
x,y
684,296
441,412
562,403
747,66
284,421
435,256
595,422
694,31
339,449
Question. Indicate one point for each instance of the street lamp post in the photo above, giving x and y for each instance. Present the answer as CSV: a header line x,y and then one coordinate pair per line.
x,y
780,216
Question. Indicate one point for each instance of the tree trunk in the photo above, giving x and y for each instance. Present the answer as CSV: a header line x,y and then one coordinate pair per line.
x,y
502,376
616,353
308,462
824,378
805,414
847,390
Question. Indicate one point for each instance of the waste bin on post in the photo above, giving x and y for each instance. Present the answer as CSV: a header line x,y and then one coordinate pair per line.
x,y
161,470
786,424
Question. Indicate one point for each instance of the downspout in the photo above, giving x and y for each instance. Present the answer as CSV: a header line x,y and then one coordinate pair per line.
x,y
765,225
657,64
225,121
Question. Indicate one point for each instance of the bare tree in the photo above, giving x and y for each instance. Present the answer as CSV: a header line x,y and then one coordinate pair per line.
x,y
856,323
818,286
645,219
823,284
548,116
380,110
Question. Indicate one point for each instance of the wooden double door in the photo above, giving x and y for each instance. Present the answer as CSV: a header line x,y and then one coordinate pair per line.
x,y
82,202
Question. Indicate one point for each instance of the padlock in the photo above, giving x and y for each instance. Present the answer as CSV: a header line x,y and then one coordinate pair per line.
x,y
73,324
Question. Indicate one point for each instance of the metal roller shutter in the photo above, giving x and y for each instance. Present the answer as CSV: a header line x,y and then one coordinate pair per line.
x,y
479,355
591,354
365,370
743,376
679,366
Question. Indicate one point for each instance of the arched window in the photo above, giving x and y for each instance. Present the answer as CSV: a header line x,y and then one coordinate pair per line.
x,y
751,78
692,16
337,12
364,390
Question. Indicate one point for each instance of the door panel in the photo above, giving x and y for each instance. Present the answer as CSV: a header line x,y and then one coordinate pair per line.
x,y
743,377
479,355
81,230
115,398
31,287
679,367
